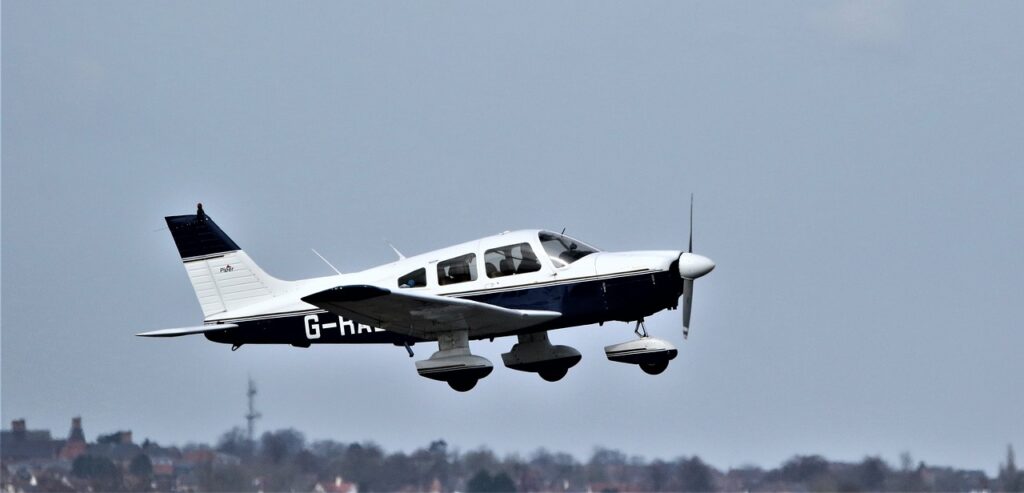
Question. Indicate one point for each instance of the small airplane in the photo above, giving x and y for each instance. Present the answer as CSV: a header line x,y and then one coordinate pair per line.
x,y
517,283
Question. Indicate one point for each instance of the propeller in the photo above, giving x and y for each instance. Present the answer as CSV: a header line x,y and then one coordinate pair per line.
x,y
691,266
687,305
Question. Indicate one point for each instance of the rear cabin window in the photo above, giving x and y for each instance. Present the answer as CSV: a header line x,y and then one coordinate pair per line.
x,y
414,279
456,270
511,259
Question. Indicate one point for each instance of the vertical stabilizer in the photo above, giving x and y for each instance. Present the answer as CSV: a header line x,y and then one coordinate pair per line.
x,y
223,276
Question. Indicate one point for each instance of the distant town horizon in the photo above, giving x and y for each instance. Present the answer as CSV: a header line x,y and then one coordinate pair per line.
x,y
114,461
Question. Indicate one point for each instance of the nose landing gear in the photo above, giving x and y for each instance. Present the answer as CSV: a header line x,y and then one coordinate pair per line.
x,y
649,353
640,330
654,368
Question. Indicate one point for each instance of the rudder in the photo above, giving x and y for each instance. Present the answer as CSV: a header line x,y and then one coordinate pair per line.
x,y
222,274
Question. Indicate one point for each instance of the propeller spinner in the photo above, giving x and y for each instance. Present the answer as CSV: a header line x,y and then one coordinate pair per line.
x,y
691,266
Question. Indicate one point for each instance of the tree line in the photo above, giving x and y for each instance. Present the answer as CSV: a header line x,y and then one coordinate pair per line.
x,y
283,460
280,459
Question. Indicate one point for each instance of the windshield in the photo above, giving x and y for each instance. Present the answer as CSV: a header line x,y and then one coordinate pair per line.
x,y
564,250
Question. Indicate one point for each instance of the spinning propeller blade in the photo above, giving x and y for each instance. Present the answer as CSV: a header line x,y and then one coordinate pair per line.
x,y
691,266
690,249
687,305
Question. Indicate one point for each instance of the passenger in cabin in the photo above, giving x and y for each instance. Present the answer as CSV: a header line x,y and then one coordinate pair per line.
x,y
458,272
414,279
508,266
529,262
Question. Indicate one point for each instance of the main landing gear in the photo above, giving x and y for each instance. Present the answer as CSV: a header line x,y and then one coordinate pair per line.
x,y
534,353
461,370
649,353
453,363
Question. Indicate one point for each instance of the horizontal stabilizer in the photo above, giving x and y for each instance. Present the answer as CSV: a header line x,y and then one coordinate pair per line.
x,y
184,331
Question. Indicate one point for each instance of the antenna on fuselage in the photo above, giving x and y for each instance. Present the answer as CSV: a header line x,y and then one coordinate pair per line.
x,y
400,256
335,269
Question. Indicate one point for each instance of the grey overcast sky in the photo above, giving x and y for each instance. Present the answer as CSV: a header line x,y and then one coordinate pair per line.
x,y
857,169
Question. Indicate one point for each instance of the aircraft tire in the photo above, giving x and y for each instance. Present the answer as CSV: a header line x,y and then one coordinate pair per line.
x,y
554,375
463,384
654,368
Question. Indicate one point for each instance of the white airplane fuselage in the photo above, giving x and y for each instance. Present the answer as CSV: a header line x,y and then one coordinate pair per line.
x,y
600,287
521,283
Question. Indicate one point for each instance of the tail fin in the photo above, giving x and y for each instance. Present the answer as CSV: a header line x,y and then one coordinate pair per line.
x,y
224,277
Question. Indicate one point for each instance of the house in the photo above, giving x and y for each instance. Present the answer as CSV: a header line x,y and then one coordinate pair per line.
x,y
21,444
117,447
75,445
336,486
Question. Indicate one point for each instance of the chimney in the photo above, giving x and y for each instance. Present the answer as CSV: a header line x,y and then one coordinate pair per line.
x,y
126,437
18,429
76,434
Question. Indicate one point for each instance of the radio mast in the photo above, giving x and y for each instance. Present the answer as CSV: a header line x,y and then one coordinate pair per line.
x,y
252,415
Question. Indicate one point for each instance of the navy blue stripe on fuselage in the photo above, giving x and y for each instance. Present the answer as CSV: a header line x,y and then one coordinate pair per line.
x,y
583,302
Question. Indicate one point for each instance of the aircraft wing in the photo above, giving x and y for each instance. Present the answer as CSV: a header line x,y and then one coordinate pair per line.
x,y
423,315
184,331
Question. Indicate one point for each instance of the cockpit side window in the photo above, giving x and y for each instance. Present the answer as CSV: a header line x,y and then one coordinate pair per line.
x,y
564,250
456,270
414,279
511,259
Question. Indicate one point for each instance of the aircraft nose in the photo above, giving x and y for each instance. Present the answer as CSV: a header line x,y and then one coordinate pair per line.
x,y
692,266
